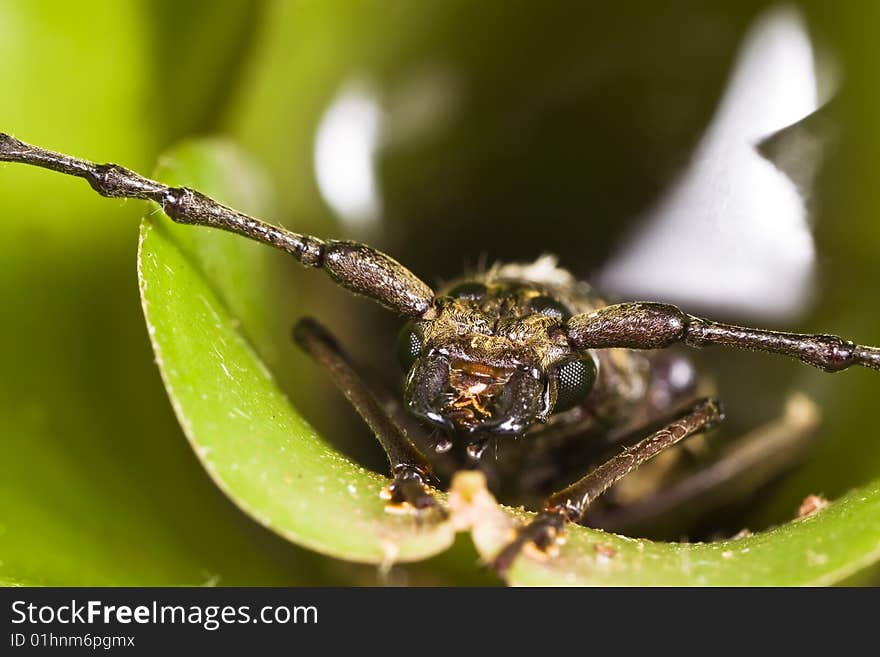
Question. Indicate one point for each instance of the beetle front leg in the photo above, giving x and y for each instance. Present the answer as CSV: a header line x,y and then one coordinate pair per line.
x,y
354,266
410,470
571,503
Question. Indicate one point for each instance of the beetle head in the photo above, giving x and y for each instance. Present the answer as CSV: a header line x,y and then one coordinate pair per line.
x,y
484,366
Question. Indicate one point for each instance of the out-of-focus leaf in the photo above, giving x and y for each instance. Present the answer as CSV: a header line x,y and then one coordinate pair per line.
x,y
97,485
199,52
250,439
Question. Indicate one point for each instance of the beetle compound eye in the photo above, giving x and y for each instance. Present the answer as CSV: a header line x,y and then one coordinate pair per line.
x,y
473,291
409,346
574,380
550,307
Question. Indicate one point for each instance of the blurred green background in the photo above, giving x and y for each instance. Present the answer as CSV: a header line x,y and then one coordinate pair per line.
x,y
516,128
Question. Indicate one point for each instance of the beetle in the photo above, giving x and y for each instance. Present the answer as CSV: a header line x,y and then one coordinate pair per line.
x,y
513,350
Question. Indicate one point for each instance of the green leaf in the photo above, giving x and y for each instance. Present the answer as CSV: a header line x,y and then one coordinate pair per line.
x,y
821,548
252,442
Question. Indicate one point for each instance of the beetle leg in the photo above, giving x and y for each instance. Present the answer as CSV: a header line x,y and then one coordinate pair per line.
x,y
357,267
572,502
750,462
409,467
646,325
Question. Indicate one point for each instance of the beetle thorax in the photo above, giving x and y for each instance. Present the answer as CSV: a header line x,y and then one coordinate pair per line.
x,y
497,330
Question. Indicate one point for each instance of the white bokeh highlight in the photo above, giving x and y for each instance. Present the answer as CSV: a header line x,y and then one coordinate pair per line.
x,y
732,234
346,141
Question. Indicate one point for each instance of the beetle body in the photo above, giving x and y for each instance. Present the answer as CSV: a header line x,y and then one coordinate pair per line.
x,y
494,368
